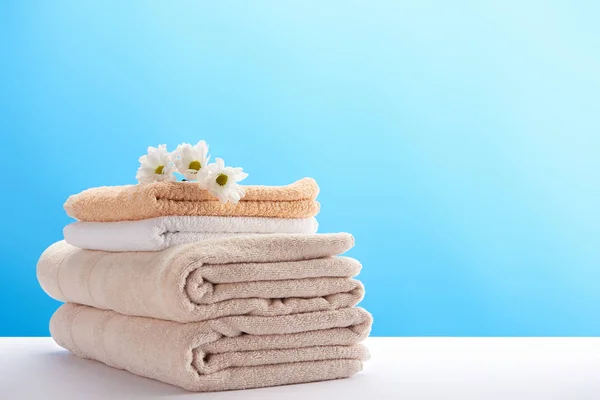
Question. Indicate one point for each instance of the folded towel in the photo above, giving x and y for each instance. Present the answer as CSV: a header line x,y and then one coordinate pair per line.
x,y
160,233
229,353
271,274
135,202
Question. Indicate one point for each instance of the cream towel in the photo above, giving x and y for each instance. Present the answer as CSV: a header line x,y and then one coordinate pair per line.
x,y
135,202
255,275
229,353
163,232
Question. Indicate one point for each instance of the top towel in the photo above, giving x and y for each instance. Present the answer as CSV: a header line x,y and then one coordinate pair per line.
x,y
136,202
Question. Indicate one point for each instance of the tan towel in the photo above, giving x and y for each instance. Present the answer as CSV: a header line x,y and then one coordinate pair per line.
x,y
272,274
135,202
228,353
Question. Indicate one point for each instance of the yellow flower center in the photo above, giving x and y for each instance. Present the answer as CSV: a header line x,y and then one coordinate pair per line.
x,y
159,170
222,179
195,165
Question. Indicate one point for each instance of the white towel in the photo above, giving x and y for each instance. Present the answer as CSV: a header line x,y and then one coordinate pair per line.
x,y
157,234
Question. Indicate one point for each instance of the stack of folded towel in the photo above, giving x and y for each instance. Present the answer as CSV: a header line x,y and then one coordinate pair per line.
x,y
166,282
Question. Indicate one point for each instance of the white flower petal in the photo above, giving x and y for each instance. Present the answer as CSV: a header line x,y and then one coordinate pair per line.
x,y
240,176
156,157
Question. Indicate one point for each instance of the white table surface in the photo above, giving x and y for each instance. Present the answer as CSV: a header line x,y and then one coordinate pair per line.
x,y
400,368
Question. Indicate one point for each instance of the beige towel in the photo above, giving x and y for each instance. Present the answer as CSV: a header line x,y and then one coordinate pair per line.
x,y
135,202
229,353
271,274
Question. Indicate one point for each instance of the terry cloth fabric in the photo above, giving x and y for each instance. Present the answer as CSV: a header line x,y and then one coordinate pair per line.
x,y
135,202
271,274
229,353
163,232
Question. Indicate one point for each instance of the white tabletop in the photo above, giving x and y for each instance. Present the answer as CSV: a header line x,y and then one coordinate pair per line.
x,y
400,368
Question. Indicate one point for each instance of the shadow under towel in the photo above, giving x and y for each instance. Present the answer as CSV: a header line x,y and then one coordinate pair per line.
x,y
229,353
271,274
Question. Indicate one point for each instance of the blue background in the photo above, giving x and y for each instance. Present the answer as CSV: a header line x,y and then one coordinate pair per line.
x,y
458,141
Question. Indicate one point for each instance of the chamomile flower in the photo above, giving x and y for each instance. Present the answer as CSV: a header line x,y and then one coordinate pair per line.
x,y
156,166
222,182
191,161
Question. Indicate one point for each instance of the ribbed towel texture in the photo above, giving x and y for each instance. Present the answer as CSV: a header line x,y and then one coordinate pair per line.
x,y
166,282
273,274
135,202
238,352
156,234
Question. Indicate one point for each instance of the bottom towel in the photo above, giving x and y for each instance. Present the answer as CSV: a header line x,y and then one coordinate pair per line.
x,y
228,353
